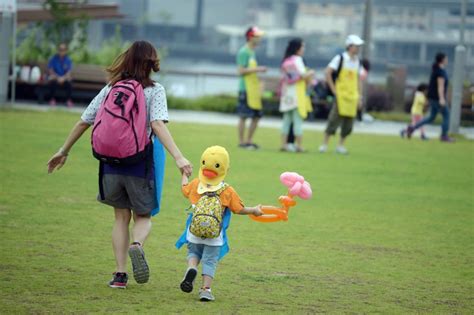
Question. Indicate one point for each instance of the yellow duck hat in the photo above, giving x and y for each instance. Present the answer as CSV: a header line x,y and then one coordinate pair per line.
x,y
214,165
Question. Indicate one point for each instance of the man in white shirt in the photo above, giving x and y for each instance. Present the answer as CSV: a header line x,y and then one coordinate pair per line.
x,y
342,77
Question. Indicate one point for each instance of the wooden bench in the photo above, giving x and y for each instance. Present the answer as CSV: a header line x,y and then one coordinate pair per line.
x,y
87,81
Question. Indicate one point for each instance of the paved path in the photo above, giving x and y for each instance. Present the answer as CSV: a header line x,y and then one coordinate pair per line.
x,y
377,127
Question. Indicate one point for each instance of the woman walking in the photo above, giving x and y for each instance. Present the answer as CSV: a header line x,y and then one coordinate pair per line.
x,y
437,90
128,188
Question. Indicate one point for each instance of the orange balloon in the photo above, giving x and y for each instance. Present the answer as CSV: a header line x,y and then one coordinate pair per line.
x,y
271,214
274,210
275,214
266,218
287,201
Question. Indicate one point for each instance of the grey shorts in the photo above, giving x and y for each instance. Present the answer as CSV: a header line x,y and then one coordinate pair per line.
x,y
129,192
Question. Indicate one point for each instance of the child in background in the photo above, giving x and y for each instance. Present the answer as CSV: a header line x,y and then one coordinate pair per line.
x,y
418,106
211,199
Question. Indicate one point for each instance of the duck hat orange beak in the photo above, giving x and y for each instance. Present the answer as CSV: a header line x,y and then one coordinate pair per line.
x,y
214,165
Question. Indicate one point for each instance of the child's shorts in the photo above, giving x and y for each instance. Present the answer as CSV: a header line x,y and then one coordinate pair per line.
x,y
208,255
129,192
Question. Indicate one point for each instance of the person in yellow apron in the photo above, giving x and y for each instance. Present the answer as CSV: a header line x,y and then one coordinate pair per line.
x,y
295,103
346,88
250,99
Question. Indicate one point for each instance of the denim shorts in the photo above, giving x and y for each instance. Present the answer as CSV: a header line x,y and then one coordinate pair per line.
x,y
243,108
208,256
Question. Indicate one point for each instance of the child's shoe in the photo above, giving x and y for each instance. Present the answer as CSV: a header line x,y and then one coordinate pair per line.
x,y
424,138
205,295
141,272
119,281
323,148
188,281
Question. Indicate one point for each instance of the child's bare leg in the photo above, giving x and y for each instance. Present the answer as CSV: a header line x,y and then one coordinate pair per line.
x,y
209,260
193,262
194,252
206,281
209,264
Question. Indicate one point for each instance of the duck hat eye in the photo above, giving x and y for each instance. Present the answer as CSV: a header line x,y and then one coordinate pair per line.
x,y
203,162
217,165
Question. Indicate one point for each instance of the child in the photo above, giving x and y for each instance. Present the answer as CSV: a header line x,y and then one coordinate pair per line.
x,y
419,103
205,229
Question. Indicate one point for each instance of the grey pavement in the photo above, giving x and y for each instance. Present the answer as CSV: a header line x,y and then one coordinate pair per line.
x,y
377,127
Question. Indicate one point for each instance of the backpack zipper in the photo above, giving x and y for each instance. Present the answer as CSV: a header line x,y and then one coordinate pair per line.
x,y
134,131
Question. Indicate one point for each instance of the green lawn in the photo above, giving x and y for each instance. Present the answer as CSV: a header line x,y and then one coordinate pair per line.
x,y
390,228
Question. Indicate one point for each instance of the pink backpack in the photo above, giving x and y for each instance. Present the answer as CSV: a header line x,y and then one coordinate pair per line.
x,y
119,135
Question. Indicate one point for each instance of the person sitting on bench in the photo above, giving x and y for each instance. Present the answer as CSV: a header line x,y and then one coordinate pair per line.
x,y
59,70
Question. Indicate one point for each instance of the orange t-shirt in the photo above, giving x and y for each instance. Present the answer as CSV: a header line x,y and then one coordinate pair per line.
x,y
229,197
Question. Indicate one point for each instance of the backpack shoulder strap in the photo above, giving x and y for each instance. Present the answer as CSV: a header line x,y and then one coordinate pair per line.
x,y
339,67
221,190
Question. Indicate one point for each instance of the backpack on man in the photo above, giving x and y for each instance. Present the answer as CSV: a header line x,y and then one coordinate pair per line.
x,y
322,89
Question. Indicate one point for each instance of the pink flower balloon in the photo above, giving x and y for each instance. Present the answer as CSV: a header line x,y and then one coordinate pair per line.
x,y
296,184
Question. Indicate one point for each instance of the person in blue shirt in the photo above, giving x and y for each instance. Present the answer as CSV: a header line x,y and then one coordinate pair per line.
x,y
59,70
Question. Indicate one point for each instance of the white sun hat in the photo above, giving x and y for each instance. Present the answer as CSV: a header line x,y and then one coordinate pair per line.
x,y
354,40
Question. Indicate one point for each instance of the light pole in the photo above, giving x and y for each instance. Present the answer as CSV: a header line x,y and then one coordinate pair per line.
x,y
367,34
458,75
6,22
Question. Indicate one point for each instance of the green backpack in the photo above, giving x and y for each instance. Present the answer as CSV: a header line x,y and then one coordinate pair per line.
x,y
207,216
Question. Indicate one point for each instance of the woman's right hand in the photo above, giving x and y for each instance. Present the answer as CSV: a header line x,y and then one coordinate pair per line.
x,y
56,162
184,166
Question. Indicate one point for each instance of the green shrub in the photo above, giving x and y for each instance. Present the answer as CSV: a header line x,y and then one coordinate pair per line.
x,y
218,103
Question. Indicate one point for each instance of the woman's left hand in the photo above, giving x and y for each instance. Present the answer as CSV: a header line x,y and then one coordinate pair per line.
x,y
184,166
56,162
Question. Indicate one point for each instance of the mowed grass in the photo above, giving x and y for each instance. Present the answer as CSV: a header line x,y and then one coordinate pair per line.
x,y
390,228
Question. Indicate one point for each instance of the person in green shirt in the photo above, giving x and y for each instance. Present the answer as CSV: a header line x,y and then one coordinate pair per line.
x,y
249,101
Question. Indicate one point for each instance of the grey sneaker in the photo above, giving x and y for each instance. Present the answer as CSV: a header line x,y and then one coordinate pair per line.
x,y
341,150
205,295
188,280
323,148
141,272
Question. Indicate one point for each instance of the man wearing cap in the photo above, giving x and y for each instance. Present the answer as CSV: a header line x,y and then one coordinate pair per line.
x,y
250,100
342,76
